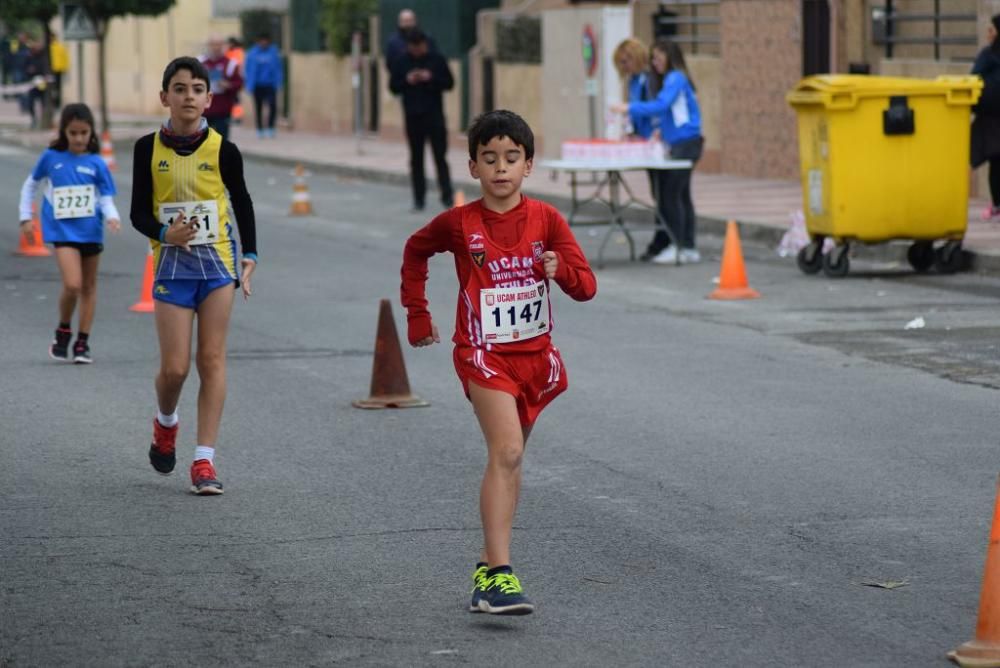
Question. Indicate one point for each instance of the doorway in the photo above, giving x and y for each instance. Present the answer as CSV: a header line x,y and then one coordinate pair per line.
x,y
815,37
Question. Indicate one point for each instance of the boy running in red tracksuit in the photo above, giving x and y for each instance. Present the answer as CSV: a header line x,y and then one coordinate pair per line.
x,y
507,248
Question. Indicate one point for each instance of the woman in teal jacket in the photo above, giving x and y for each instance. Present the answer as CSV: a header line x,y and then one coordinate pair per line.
x,y
676,115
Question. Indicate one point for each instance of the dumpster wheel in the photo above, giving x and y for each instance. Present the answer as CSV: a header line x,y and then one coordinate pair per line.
x,y
949,257
921,255
810,257
836,263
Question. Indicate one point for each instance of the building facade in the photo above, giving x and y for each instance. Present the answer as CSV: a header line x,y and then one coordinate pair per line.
x,y
744,55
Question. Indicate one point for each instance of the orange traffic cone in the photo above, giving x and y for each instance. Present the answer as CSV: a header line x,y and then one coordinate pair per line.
x,y
33,247
459,198
733,275
145,303
390,387
301,206
107,151
984,650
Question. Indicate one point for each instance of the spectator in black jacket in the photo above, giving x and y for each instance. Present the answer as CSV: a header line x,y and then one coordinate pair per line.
x,y
396,46
420,77
986,126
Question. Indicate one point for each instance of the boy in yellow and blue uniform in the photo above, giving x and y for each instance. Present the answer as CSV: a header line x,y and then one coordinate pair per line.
x,y
180,177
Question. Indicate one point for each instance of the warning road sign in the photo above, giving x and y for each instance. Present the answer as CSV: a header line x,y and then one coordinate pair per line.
x,y
76,22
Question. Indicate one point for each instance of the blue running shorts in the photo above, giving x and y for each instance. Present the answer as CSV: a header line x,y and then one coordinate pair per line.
x,y
187,293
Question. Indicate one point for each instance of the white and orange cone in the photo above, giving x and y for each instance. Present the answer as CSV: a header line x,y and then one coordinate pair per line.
x,y
301,204
107,151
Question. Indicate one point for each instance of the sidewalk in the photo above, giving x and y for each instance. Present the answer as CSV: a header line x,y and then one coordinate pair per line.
x,y
762,207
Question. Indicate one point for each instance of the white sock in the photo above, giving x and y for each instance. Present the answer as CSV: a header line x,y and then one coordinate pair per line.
x,y
167,420
204,452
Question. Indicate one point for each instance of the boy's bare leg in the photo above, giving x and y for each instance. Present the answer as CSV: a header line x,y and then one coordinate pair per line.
x,y
173,326
497,414
213,326
68,259
525,433
88,291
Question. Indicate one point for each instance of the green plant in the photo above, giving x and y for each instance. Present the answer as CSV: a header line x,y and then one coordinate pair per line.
x,y
341,18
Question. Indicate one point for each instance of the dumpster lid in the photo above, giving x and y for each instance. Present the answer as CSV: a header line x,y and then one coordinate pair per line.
x,y
833,90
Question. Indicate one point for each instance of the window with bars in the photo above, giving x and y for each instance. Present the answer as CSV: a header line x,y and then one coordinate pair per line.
x,y
694,24
944,30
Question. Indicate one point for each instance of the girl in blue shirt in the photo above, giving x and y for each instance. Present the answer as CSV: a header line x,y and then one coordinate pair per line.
x,y
78,201
675,114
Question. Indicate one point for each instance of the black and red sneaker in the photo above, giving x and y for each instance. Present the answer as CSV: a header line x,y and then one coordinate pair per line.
x,y
59,349
203,480
162,453
81,352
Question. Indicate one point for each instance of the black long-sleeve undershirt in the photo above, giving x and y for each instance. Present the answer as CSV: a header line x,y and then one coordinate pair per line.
x,y
231,169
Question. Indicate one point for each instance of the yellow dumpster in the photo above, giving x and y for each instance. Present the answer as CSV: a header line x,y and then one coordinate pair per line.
x,y
884,158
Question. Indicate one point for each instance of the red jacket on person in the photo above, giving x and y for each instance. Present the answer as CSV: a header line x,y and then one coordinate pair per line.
x,y
480,260
222,69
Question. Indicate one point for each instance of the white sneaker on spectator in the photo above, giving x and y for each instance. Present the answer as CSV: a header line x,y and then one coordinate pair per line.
x,y
690,256
666,256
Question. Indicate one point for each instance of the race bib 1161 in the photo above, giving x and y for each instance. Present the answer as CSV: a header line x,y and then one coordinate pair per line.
x,y
203,214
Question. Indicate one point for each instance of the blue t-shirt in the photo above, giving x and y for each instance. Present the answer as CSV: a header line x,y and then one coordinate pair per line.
x,y
62,169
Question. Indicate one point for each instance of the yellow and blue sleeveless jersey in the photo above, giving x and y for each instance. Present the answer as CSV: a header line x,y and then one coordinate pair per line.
x,y
192,178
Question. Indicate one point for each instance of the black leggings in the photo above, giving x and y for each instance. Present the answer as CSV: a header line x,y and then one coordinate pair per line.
x,y
995,181
673,197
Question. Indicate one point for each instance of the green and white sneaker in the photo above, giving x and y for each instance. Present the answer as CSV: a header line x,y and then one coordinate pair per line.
x,y
504,594
479,583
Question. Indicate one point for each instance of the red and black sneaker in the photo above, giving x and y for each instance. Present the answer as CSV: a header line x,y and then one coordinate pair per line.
x,y
203,480
59,350
81,352
162,450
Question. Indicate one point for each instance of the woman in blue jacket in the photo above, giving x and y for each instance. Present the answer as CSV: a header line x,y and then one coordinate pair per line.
x,y
631,59
632,62
675,114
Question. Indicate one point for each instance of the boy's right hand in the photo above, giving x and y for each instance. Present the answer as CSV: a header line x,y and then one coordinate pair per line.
x,y
429,340
27,230
180,233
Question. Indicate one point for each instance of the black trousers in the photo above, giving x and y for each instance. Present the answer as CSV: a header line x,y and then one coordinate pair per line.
x,y
265,95
674,202
419,129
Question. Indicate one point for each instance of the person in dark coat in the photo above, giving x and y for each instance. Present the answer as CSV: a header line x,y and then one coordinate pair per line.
x,y
420,77
396,46
985,142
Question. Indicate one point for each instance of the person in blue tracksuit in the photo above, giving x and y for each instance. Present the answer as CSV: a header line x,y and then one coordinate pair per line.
x,y
675,114
263,76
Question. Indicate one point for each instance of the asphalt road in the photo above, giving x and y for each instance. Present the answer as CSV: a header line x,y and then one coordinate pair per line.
x,y
715,489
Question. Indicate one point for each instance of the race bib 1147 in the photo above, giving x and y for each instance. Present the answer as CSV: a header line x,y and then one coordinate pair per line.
x,y
514,314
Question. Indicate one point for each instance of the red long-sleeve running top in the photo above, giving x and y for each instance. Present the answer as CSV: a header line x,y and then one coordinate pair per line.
x,y
482,263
